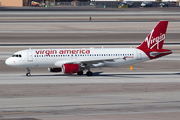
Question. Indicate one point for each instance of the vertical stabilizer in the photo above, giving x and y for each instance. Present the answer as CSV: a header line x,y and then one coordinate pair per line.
x,y
156,37
153,43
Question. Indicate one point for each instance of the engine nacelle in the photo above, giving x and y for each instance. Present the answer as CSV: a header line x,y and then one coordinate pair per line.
x,y
54,69
70,68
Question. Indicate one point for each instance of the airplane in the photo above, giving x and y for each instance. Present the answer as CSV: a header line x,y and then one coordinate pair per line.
x,y
71,61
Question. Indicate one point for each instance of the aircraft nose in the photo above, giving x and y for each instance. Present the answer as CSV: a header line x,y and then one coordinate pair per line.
x,y
9,62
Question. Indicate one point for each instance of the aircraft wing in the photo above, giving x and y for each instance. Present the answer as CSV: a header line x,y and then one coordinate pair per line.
x,y
85,62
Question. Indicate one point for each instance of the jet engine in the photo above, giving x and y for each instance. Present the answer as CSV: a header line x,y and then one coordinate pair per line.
x,y
70,68
54,69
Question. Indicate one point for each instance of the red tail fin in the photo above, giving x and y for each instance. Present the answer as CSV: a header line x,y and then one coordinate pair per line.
x,y
156,38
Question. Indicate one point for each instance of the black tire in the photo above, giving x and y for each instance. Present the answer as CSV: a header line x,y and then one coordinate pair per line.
x,y
89,73
28,74
80,73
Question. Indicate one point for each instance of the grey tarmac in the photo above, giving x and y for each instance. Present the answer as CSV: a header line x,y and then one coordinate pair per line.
x,y
115,94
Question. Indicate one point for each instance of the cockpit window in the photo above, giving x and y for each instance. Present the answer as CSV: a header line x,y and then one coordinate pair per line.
x,y
17,55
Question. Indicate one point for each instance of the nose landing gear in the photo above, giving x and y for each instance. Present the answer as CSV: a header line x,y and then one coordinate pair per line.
x,y
28,72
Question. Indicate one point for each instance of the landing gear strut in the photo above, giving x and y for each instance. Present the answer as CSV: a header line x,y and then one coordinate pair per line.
x,y
28,72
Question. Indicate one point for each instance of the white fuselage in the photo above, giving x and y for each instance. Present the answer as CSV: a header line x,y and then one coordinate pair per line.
x,y
55,58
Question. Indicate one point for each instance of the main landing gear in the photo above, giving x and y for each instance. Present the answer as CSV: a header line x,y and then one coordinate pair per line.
x,y
28,72
88,73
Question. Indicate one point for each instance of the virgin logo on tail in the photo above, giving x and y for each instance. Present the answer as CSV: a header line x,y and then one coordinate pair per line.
x,y
152,42
152,46
156,37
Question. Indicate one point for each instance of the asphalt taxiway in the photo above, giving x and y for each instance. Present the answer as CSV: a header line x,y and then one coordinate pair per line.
x,y
98,77
125,95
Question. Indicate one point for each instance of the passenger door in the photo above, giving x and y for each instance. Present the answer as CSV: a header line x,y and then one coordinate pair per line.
x,y
139,56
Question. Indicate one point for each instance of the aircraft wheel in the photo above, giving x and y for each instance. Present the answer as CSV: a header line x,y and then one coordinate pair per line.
x,y
28,74
89,73
80,73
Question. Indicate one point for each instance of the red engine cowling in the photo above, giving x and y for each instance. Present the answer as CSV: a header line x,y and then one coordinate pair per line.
x,y
54,69
70,68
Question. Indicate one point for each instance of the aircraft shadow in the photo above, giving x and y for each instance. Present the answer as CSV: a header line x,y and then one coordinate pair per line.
x,y
109,74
